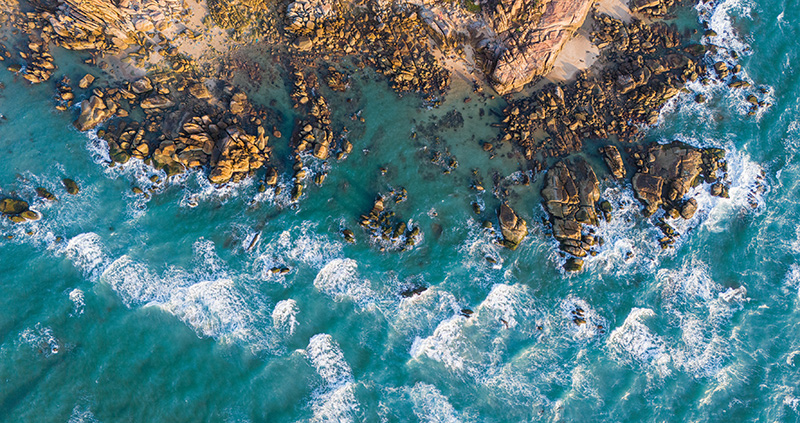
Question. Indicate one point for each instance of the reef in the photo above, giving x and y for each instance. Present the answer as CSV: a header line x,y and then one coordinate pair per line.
x,y
171,83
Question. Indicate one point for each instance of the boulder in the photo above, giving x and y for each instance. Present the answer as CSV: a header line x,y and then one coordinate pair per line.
x,y
71,186
93,112
689,208
513,228
666,174
157,102
12,206
571,192
142,85
200,91
303,43
614,161
86,81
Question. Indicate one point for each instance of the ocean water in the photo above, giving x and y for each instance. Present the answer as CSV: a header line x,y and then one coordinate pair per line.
x,y
117,307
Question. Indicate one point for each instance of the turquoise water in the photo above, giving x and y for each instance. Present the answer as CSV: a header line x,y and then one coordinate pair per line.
x,y
121,308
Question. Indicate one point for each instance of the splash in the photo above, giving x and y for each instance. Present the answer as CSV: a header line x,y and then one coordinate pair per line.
x,y
335,400
635,342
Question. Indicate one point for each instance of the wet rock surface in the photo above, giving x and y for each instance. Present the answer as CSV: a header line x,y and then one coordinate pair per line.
x,y
571,193
385,230
666,173
513,228
645,65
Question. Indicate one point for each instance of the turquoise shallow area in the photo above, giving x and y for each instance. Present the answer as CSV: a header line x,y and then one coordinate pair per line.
x,y
117,308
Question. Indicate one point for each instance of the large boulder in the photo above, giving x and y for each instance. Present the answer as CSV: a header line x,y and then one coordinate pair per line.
x,y
157,102
570,193
513,228
614,161
531,45
93,113
142,85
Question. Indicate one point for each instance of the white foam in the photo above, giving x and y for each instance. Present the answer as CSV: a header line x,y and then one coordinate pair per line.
x,y
77,298
284,316
336,405
328,360
299,244
479,245
82,415
41,339
792,278
630,242
701,307
792,402
213,308
444,345
207,300
86,252
421,313
430,405
635,342
595,323
509,307
719,17
339,280
335,401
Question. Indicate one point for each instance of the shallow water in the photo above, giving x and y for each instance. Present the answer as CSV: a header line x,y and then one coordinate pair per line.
x,y
117,308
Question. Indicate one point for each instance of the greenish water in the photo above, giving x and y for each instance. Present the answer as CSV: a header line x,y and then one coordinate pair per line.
x,y
154,310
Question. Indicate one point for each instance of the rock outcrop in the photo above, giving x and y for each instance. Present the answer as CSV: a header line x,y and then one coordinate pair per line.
x,y
106,25
513,227
570,193
531,44
385,229
93,112
647,65
666,173
614,161
17,210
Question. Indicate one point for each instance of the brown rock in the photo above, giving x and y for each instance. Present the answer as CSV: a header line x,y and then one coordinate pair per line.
x,y
93,112
614,161
513,228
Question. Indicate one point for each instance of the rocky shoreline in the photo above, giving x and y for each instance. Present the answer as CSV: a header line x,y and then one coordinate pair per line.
x,y
183,111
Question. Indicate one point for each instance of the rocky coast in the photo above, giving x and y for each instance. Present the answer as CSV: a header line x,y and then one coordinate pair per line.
x,y
156,94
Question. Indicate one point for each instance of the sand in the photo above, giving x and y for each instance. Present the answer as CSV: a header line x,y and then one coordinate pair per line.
x,y
579,53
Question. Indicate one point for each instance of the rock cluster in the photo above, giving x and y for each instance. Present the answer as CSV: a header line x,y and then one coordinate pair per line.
x,y
65,95
217,138
313,133
17,210
39,62
647,67
392,40
665,175
571,192
385,229
104,25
